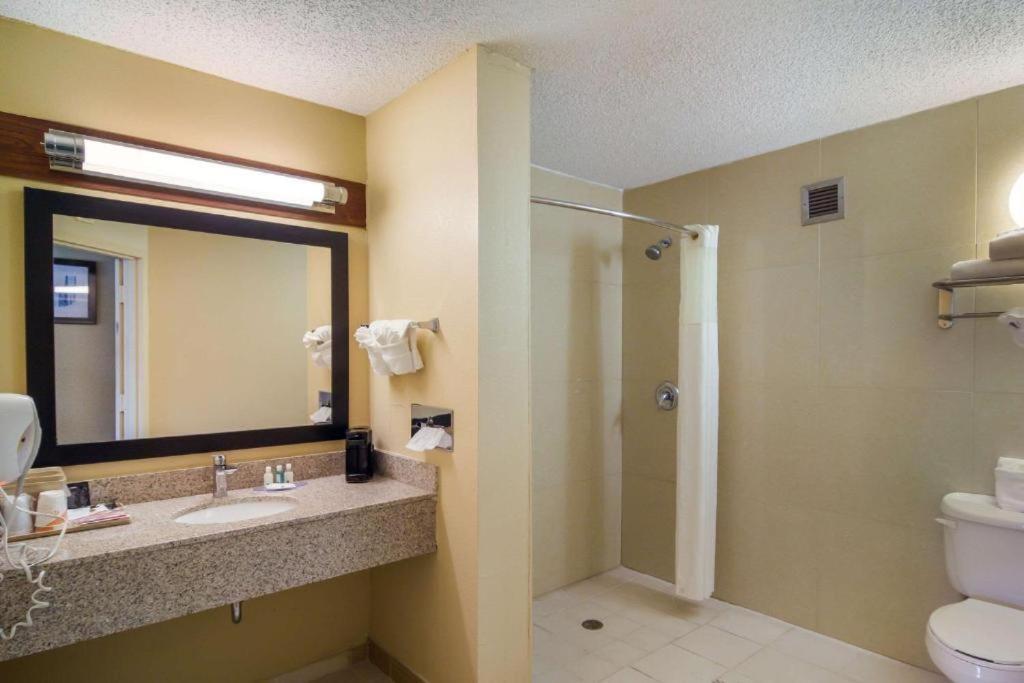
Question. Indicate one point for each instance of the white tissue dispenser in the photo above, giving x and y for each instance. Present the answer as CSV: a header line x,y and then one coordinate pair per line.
x,y
432,428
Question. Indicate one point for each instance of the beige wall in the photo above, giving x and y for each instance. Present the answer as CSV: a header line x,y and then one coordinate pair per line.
x,y
448,203
49,75
125,93
846,413
576,382
504,459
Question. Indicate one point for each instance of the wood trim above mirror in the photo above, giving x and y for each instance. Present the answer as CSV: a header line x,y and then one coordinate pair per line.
x,y
21,156
40,208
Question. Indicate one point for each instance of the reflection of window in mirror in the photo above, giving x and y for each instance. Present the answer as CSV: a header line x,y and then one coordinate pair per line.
x,y
182,318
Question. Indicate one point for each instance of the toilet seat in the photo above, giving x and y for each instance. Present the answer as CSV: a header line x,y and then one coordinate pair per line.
x,y
981,630
977,642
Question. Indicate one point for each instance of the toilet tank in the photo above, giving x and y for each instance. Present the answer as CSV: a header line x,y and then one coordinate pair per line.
x,y
984,548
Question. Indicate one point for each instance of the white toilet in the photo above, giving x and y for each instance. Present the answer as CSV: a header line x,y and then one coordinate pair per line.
x,y
982,637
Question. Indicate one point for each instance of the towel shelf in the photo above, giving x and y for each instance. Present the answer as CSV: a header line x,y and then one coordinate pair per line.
x,y
434,325
947,310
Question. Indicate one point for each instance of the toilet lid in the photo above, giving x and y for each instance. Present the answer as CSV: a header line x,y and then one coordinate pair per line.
x,y
980,629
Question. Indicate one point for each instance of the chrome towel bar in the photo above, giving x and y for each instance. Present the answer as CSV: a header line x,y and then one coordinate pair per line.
x,y
434,325
947,309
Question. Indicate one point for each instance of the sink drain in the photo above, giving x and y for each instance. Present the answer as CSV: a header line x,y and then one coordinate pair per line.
x,y
592,624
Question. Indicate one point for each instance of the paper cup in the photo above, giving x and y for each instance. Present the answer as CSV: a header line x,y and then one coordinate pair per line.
x,y
51,510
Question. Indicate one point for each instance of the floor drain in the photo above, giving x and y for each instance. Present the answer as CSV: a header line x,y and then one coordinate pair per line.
x,y
592,624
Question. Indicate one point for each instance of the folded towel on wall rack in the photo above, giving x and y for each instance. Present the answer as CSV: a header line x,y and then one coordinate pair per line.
x,y
391,346
318,341
1007,245
984,268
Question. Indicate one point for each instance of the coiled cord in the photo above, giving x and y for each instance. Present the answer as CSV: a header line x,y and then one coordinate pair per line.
x,y
26,563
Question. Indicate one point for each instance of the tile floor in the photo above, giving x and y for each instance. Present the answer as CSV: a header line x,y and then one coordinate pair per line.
x,y
650,636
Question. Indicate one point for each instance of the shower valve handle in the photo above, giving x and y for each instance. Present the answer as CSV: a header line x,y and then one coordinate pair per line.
x,y
666,396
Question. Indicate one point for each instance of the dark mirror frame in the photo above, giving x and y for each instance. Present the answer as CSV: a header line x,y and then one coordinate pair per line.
x,y
40,208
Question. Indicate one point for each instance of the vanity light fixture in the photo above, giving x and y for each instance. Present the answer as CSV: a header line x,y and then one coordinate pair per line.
x,y
106,158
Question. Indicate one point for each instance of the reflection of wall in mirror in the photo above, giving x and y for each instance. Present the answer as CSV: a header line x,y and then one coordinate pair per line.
x,y
212,307
220,307
318,305
84,361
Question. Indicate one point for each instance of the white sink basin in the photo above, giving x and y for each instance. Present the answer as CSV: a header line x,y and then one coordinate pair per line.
x,y
238,511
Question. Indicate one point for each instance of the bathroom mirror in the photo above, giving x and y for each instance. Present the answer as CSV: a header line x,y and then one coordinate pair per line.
x,y
157,331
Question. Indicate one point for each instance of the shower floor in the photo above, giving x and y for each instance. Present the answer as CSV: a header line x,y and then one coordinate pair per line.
x,y
649,636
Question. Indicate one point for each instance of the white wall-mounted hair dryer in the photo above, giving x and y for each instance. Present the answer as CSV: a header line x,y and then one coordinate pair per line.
x,y
20,437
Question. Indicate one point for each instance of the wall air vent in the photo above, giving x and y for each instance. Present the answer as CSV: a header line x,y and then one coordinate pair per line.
x,y
823,201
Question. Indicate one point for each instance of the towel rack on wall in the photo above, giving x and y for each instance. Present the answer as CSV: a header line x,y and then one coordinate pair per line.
x,y
947,308
434,325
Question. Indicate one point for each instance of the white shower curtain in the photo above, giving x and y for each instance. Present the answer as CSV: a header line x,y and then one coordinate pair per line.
x,y
697,416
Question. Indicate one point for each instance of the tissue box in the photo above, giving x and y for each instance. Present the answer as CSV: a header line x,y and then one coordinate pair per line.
x,y
1010,489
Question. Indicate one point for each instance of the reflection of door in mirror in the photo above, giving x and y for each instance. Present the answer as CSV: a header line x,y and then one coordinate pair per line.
x,y
98,380
126,346
195,333
85,346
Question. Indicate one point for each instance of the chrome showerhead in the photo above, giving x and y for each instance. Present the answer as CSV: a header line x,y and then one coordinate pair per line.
x,y
653,252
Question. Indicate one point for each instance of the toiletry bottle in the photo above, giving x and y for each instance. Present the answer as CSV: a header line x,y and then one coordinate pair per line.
x,y
289,475
268,476
279,475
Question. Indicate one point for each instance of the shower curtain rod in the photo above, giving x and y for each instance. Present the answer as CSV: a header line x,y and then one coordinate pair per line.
x,y
693,234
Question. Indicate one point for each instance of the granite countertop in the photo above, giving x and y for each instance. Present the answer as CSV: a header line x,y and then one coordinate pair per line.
x,y
114,579
153,526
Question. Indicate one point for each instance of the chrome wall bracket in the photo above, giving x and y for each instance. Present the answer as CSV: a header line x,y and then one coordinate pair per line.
x,y
947,297
947,308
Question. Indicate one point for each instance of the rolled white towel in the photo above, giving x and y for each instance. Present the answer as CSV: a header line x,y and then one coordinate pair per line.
x,y
1007,245
391,345
318,342
983,268
367,341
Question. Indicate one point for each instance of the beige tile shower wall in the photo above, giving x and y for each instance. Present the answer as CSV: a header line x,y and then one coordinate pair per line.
x,y
650,317
576,382
846,413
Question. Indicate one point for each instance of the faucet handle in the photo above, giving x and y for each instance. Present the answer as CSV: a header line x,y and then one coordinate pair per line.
x,y
219,461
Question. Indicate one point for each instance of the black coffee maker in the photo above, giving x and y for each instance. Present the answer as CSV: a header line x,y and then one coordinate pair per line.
x,y
358,455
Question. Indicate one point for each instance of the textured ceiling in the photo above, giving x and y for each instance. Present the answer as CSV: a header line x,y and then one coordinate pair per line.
x,y
625,92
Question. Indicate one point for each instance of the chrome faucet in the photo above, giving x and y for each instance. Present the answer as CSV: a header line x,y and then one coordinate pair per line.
x,y
221,470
